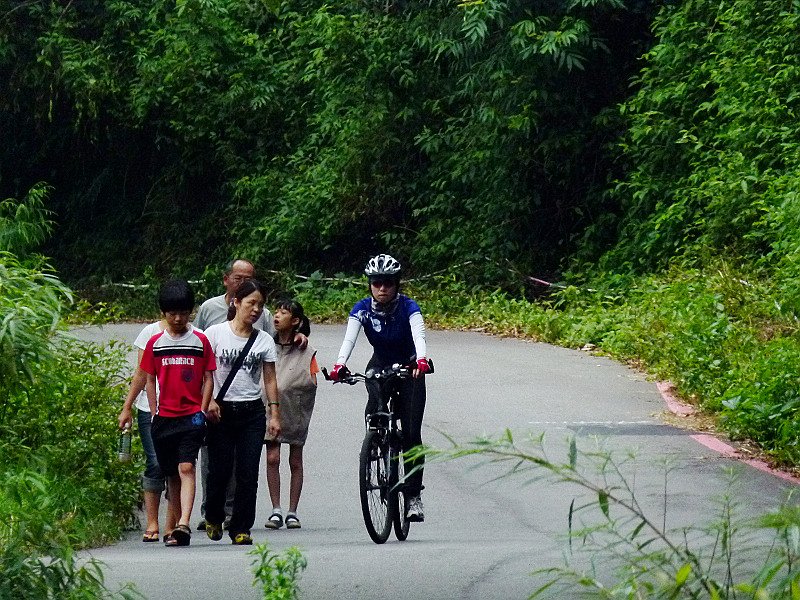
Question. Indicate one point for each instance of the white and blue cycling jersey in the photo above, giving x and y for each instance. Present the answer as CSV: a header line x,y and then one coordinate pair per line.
x,y
397,335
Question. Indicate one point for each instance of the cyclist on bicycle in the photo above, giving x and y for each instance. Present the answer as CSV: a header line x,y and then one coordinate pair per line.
x,y
394,326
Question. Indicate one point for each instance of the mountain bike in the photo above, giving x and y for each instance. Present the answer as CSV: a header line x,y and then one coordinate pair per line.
x,y
381,469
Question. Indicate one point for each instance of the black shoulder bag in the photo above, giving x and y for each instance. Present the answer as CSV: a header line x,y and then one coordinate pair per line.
x,y
236,366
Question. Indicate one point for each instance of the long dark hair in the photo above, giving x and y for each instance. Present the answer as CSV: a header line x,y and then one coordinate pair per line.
x,y
294,307
245,289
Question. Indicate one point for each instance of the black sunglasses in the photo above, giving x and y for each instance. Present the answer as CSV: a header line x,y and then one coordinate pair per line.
x,y
383,282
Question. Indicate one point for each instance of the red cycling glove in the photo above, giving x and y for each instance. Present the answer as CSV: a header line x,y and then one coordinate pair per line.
x,y
338,369
423,366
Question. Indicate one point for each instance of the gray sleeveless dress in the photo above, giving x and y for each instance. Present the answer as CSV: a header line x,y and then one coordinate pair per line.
x,y
297,392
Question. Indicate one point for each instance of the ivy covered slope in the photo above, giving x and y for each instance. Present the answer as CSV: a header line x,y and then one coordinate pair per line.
x,y
704,280
308,133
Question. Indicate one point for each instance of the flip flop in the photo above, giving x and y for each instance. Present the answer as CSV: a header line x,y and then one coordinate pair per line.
x,y
150,536
181,536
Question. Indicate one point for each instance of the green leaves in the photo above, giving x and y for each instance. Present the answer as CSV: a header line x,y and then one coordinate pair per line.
x,y
602,501
682,575
448,131
573,453
25,224
278,574
711,138
60,486
31,297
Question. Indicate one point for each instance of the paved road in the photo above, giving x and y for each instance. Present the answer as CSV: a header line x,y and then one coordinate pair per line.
x,y
482,538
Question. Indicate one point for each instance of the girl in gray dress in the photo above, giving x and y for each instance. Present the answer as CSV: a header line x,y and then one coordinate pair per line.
x,y
297,388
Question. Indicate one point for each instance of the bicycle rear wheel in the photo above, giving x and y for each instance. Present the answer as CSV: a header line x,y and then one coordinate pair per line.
x,y
398,493
374,474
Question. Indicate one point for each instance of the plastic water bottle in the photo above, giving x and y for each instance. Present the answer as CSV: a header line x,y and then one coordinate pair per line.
x,y
124,445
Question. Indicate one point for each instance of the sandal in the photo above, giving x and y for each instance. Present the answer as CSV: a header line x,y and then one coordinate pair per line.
x,y
292,522
275,521
150,536
181,536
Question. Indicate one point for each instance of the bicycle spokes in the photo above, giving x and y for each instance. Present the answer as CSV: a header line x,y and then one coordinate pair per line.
x,y
374,469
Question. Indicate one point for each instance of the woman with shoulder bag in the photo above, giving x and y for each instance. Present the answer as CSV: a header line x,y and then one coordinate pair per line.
x,y
237,416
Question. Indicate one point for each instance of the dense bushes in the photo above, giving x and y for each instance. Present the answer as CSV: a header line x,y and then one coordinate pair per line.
x,y
709,208
712,141
61,486
309,136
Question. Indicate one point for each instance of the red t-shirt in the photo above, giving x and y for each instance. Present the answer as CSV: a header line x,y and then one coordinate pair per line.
x,y
179,365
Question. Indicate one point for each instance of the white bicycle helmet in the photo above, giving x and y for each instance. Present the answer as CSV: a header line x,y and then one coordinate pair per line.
x,y
382,265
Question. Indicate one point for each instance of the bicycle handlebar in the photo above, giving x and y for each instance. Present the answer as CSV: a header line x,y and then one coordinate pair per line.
x,y
395,371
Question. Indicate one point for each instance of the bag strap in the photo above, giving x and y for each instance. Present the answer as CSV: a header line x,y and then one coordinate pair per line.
x,y
236,366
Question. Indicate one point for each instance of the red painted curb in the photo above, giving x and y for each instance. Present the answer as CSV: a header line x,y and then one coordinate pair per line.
x,y
666,389
675,406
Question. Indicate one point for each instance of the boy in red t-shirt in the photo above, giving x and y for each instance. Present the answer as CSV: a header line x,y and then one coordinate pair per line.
x,y
181,360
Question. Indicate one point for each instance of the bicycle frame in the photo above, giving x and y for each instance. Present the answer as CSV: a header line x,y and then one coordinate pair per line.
x,y
383,418
381,465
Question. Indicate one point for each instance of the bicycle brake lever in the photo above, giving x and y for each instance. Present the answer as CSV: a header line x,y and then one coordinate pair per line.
x,y
329,378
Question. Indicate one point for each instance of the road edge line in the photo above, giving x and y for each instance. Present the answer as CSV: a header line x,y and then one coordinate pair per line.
x,y
681,409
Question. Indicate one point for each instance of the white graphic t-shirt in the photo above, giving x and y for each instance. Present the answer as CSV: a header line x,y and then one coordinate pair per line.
x,y
140,343
227,347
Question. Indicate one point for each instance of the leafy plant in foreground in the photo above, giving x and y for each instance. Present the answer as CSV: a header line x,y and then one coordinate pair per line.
x,y
277,574
25,224
31,301
31,296
37,560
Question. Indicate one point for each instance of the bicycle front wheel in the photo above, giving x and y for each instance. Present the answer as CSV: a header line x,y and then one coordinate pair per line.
x,y
374,474
398,493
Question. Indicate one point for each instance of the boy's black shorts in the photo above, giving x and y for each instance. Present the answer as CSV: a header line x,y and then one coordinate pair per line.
x,y
177,440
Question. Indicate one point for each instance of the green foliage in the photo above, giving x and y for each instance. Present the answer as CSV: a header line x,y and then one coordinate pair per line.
x,y
711,138
767,407
116,302
37,559
503,138
619,547
65,423
31,297
309,134
61,486
720,334
277,574
327,298
31,301
99,313
24,225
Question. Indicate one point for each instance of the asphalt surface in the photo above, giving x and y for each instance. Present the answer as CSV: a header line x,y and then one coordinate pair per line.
x,y
483,536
